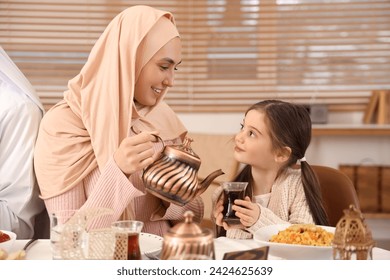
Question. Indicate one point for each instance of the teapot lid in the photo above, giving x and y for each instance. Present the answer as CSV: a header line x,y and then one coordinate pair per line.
x,y
186,146
188,228
184,153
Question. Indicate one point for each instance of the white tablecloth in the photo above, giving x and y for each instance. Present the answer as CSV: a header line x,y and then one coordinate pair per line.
x,y
40,250
223,245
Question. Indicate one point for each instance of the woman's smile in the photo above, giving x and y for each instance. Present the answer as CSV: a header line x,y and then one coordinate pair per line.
x,y
157,91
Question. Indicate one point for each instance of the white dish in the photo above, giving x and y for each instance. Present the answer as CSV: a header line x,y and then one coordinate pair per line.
x,y
7,245
292,251
150,243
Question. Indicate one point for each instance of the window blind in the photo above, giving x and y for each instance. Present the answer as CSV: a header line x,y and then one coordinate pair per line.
x,y
235,52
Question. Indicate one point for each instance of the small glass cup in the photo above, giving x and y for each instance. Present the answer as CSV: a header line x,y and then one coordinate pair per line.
x,y
68,236
231,192
127,239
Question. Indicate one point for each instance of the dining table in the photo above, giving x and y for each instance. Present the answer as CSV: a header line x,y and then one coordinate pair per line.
x,y
41,249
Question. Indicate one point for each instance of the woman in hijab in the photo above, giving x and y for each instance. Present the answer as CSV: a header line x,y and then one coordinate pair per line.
x,y
93,146
20,115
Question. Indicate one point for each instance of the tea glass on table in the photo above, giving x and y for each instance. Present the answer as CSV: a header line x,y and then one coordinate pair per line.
x,y
127,239
68,237
231,192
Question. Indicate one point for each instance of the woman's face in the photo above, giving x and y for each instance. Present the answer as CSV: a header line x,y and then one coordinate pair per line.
x,y
158,74
253,142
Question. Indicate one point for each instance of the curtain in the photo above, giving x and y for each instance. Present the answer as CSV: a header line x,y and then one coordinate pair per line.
x,y
235,52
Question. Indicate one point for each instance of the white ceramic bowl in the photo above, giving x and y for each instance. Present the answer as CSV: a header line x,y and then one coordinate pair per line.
x,y
7,245
292,251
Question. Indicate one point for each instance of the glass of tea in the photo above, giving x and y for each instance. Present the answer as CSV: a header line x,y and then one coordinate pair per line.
x,y
127,239
231,192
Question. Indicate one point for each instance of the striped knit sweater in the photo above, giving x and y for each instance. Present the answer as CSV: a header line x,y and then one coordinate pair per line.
x,y
110,188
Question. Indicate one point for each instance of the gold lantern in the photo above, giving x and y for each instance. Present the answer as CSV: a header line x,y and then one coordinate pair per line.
x,y
352,238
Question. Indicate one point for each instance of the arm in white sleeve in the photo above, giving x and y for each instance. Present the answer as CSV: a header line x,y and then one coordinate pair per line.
x,y
19,201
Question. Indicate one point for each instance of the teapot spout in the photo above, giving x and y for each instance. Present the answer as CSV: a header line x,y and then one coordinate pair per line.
x,y
207,181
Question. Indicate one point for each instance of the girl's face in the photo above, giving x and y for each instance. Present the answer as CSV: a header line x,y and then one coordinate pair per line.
x,y
158,74
253,142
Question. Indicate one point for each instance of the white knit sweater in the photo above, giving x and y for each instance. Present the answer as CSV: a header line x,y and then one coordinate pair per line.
x,y
287,205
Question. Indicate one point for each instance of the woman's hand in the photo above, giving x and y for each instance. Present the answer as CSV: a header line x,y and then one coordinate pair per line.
x,y
135,152
218,208
247,211
219,216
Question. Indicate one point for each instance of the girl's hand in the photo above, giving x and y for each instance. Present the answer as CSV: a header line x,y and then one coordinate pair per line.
x,y
135,152
247,211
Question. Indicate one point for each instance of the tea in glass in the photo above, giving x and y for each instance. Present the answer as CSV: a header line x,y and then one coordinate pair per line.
x,y
231,192
127,239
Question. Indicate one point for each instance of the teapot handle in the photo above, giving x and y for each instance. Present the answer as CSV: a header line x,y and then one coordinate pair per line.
x,y
158,138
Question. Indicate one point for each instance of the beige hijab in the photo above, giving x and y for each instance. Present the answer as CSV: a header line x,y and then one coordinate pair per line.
x,y
83,131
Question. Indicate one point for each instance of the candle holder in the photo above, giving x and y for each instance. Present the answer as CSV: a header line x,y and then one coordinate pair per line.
x,y
352,238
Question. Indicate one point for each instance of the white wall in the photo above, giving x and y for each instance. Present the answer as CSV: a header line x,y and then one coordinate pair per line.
x,y
335,150
323,150
212,123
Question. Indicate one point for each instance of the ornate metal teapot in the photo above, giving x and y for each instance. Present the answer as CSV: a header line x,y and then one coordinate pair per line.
x,y
174,175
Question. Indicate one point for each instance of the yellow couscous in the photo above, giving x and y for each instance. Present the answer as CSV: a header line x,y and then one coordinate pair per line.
x,y
304,234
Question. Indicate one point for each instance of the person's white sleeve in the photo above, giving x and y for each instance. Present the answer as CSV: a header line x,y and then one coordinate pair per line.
x,y
19,202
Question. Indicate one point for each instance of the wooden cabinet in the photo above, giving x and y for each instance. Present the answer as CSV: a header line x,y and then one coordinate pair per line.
x,y
372,186
372,182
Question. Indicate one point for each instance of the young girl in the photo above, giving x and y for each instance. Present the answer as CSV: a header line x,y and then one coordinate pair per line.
x,y
273,138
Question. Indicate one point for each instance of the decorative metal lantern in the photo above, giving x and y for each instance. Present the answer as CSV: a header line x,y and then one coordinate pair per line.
x,y
352,238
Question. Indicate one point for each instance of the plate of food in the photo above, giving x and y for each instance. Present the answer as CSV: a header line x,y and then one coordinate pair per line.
x,y
150,243
297,241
